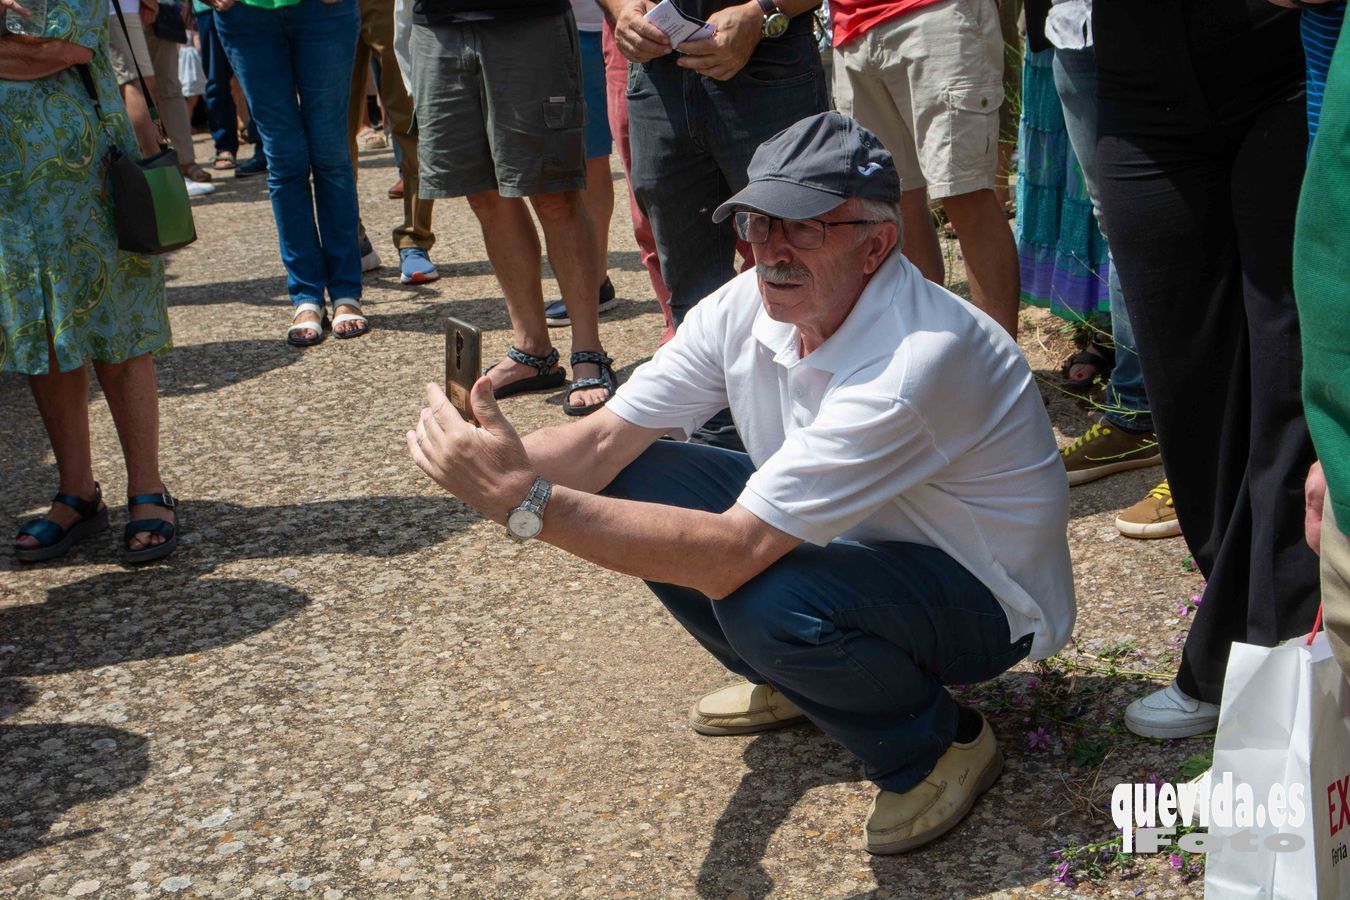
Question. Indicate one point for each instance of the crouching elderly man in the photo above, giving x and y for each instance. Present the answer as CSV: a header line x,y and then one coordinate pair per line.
x,y
897,525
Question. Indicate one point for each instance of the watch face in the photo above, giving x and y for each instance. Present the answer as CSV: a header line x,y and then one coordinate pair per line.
x,y
775,25
524,523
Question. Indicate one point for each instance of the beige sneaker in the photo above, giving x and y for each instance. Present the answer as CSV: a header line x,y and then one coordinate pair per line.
x,y
1104,450
900,822
743,708
1152,517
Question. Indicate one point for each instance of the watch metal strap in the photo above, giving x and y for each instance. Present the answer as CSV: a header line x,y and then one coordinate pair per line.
x,y
540,490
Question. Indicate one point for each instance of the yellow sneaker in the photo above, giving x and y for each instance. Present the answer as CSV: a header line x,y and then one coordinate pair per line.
x,y
1152,517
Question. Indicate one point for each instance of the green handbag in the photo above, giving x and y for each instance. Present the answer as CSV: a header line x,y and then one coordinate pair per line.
x,y
151,210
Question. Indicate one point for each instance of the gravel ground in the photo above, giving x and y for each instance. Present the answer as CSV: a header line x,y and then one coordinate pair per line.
x,y
345,684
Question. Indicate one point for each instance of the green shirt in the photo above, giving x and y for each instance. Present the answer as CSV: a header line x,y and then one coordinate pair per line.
x,y
1322,285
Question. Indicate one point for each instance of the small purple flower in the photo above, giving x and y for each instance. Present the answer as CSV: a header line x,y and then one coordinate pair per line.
x,y
1183,608
1154,779
1175,860
1038,739
1062,875
1034,683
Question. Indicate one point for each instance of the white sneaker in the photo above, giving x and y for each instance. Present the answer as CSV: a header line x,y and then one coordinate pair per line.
x,y
199,188
1170,713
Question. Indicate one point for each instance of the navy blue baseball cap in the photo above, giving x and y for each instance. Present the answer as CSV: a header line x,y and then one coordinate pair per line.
x,y
812,166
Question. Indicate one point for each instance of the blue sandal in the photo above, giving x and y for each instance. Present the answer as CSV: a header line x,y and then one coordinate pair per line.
x,y
547,379
53,540
607,380
169,530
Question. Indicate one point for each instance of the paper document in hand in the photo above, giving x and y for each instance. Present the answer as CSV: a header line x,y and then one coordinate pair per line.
x,y
678,26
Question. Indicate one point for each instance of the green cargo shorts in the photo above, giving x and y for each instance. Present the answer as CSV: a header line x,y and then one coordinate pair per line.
x,y
499,106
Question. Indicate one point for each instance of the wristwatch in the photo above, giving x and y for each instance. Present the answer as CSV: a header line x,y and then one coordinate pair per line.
x,y
775,23
527,519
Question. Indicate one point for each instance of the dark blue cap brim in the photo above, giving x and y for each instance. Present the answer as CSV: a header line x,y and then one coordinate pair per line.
x,y
780,199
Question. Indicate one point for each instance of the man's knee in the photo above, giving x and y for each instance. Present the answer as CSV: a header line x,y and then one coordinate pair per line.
x,y
770,617
559,208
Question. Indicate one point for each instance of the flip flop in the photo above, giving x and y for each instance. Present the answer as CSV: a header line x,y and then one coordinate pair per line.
x,y
547,379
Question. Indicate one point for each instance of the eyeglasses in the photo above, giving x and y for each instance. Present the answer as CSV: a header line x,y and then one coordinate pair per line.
x,y
804,234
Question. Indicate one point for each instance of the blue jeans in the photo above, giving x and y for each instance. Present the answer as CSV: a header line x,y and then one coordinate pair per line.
x,y
295,64
220,111
862,637
692,138
1076,83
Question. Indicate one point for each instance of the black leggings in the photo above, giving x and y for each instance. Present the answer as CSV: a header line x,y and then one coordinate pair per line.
x,y
1202,232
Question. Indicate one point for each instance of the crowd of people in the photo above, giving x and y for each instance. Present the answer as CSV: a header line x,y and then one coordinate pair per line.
x,y
863,466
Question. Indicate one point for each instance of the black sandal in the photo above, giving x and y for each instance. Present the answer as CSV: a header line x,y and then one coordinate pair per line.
x,y
1101,360
547,379
53,540
169,530
607,380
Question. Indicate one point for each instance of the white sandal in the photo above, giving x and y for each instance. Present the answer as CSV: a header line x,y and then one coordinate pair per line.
x,y
316,327
349,317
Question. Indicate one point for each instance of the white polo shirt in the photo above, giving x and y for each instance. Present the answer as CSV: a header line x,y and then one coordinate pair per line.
x,y
918,420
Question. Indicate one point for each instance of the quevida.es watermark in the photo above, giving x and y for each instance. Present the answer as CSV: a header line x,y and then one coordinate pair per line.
x,y
1149,815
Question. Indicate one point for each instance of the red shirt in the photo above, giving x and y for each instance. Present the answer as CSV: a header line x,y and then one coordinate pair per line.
x,y
852,18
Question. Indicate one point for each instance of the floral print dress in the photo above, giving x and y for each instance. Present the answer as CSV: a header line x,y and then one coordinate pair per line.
x,y
60,270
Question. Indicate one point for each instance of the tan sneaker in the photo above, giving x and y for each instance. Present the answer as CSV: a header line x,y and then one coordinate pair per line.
x,y
1152,517
1104,450
900,822
743,708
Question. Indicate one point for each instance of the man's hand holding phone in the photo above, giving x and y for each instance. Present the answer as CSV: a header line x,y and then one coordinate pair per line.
x,y
486,467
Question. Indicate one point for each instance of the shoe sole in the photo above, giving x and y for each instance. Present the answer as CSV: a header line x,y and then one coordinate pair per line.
x,y
987,780
731,730
1150,532
564,322
1171,732
150,554
76,533
420,278
370,262
1083,476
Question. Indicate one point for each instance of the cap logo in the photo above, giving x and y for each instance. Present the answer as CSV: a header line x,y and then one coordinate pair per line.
x,y
869,169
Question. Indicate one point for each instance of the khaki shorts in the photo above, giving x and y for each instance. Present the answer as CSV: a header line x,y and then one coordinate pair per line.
x,y
499,107
929,84
121,51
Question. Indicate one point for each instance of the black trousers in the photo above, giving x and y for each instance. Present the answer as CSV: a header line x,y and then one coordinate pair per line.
x,y
1202,228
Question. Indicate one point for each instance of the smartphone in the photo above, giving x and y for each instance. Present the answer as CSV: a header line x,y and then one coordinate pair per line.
x,y
463,364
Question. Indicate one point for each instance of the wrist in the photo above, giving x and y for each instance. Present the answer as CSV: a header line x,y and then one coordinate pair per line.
x,y
513,492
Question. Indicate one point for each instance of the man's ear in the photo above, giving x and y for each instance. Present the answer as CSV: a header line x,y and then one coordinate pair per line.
x,y
879,244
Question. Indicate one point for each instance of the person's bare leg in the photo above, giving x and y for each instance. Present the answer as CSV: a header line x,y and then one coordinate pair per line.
x,y
513,249
133,398
599,197
570,236
147,135
921,245
990,254
63,403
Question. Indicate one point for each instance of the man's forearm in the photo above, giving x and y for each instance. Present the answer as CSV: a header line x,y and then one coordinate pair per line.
x,y
588,455
668,544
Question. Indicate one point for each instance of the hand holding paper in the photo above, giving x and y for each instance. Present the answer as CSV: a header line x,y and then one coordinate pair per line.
x,y
677,26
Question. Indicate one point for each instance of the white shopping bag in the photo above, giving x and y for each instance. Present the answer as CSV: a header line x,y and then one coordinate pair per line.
x,y
1285,720
191,75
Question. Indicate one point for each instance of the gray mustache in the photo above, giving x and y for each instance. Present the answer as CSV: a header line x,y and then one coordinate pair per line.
x,y
782,272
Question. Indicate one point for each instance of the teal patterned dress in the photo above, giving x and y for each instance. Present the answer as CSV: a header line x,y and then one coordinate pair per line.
x,y
60,269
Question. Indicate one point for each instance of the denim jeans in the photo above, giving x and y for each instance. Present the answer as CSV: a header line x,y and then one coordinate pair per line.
x,y
295,64
1076,83
862,637
220,110
692,138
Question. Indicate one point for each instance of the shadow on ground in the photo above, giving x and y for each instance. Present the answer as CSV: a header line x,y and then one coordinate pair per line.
x,y
113,617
